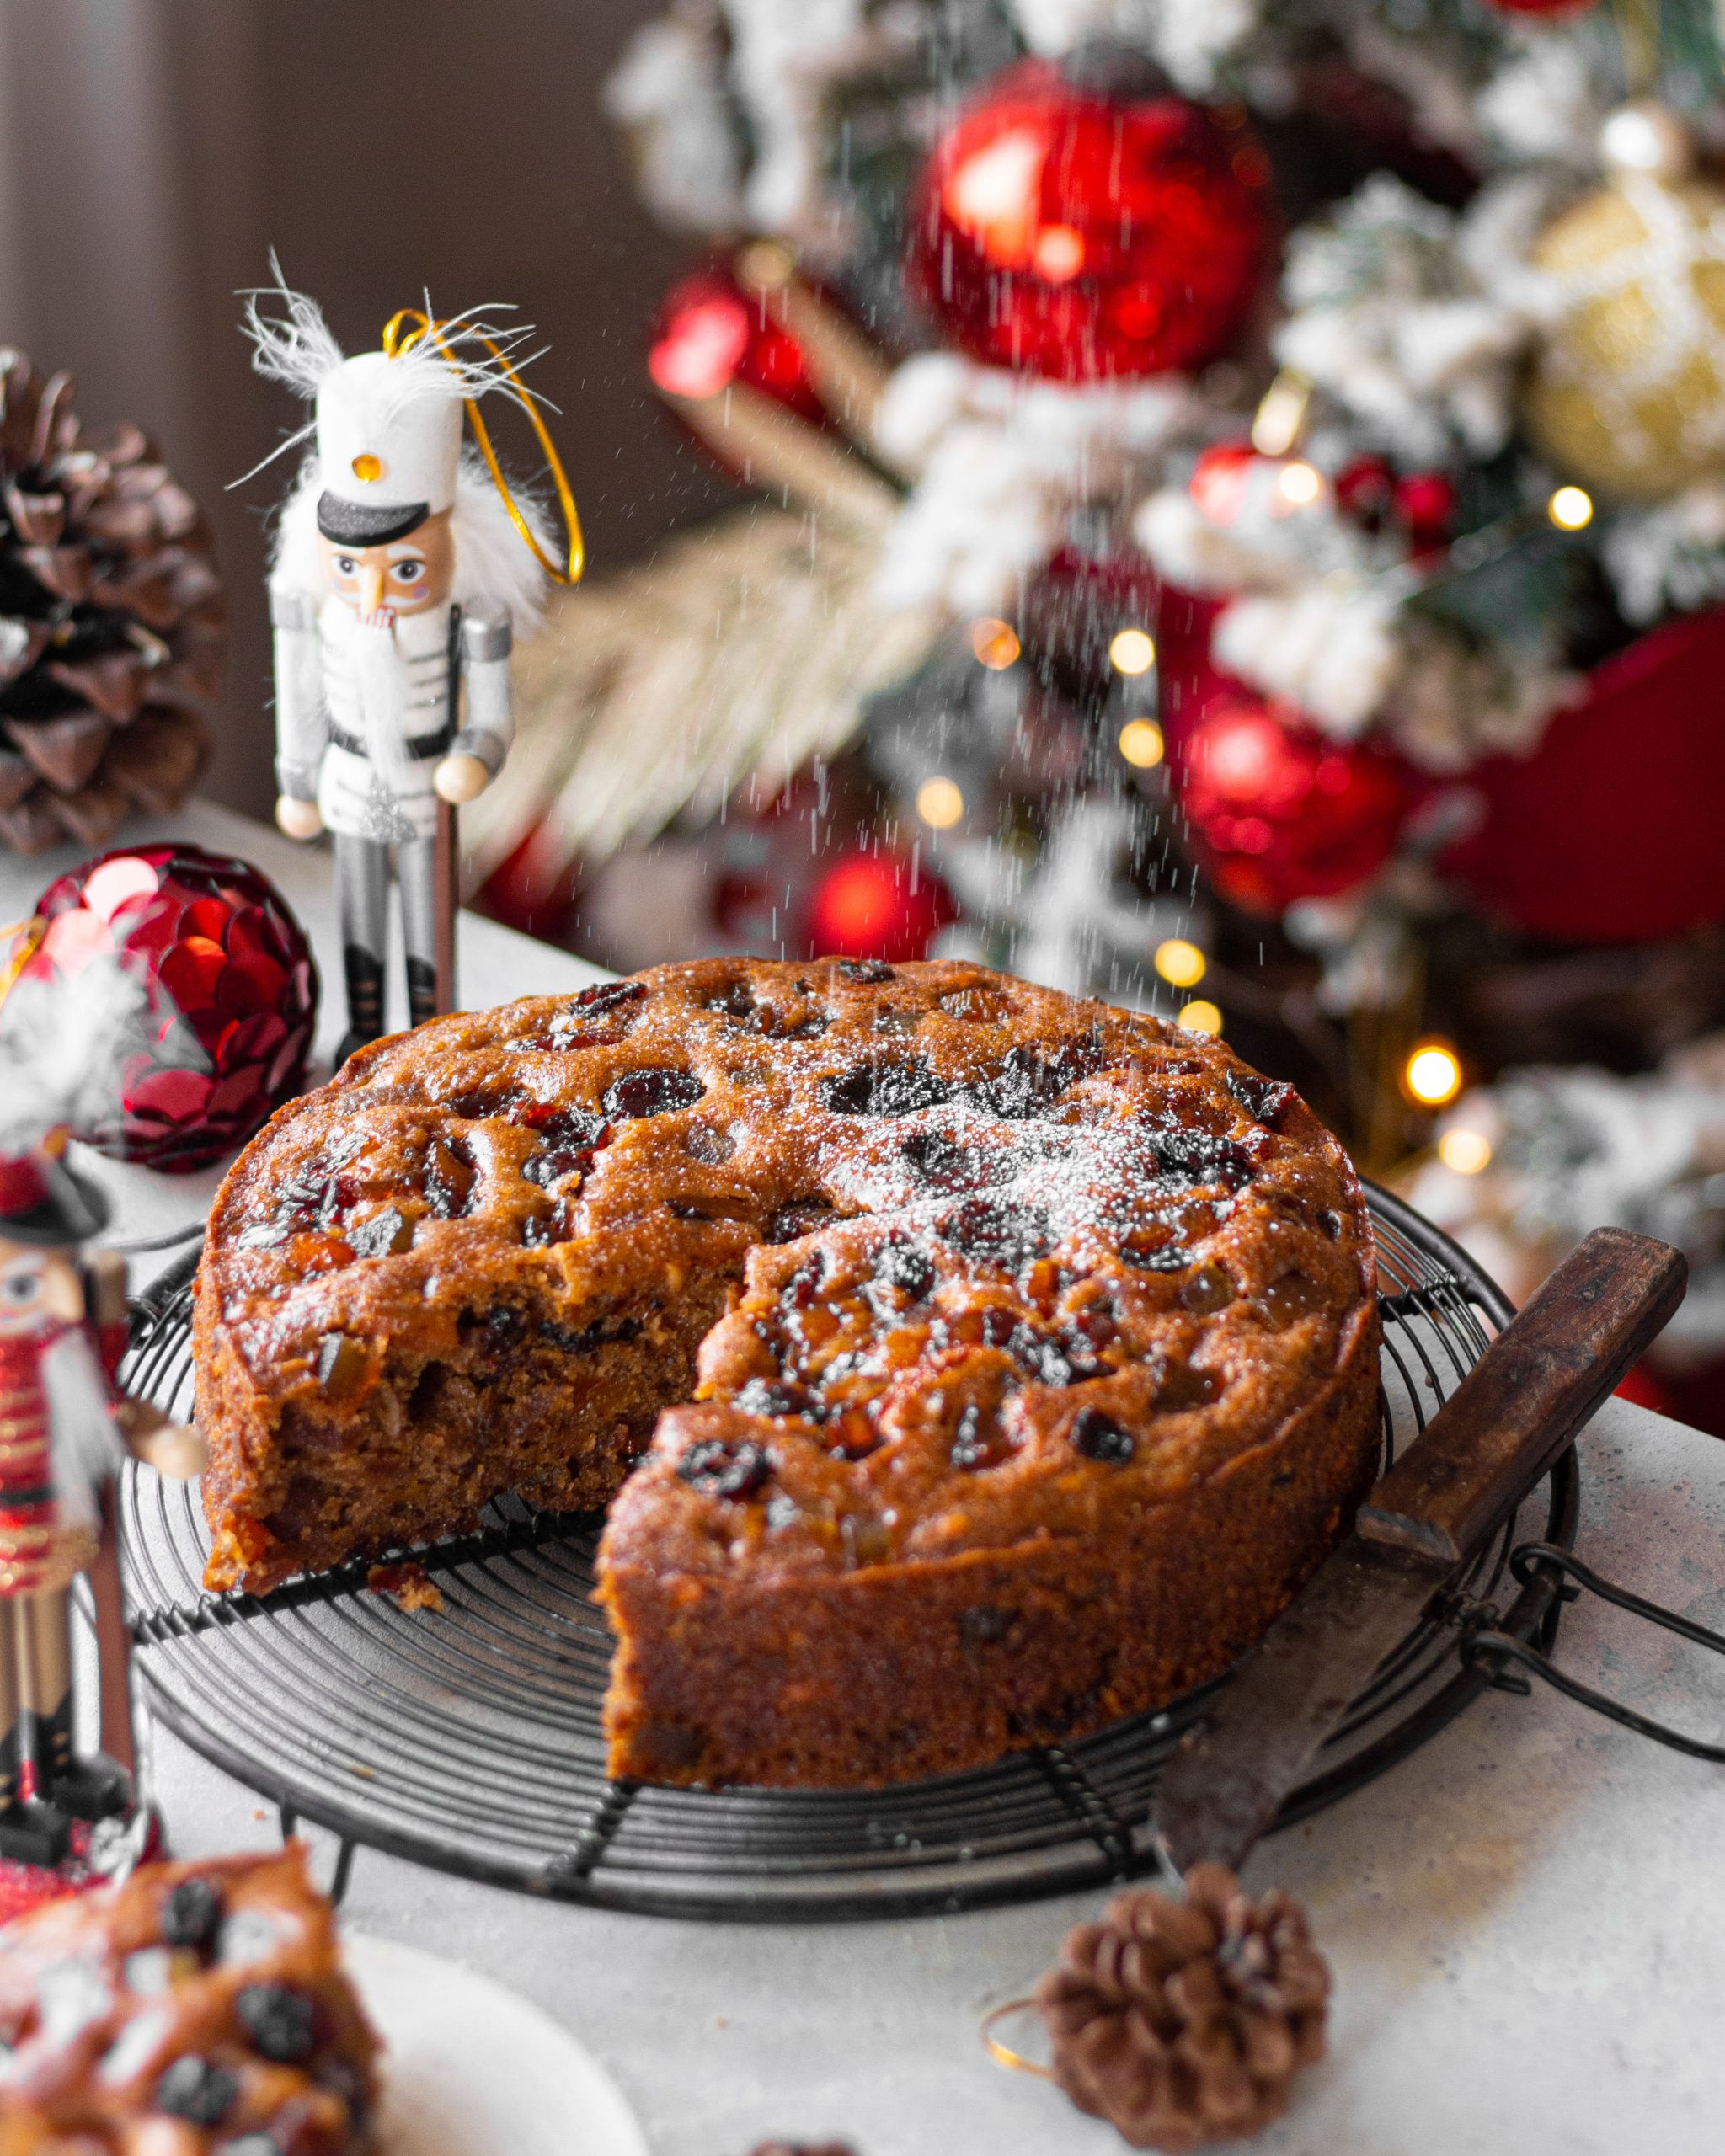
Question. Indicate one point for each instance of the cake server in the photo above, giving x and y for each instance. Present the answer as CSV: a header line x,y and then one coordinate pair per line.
x,y
1513,1416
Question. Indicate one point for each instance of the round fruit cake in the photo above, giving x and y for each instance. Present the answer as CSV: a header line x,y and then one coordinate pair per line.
x,y
1002,1364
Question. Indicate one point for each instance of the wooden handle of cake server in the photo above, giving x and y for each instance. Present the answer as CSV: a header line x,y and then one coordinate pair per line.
x,y
1519,1408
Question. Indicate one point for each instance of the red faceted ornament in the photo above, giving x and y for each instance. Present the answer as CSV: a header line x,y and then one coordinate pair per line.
x,y
231,994
876,905
1081,235
1280,812
1611,831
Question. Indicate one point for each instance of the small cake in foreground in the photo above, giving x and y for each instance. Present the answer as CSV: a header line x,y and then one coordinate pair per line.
x,y
197,2008
1020,1354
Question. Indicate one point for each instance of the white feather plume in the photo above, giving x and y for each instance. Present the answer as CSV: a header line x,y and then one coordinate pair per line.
x,y
64,1045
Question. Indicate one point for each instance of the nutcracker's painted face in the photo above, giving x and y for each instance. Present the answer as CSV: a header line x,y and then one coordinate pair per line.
x,y
407,576
38,1289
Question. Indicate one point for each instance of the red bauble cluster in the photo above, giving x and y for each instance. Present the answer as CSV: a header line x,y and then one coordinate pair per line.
x,y
1280,812
231,994
1081,235
876,905
710,332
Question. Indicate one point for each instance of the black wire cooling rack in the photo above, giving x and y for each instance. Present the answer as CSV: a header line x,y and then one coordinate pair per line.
x,y
469,1739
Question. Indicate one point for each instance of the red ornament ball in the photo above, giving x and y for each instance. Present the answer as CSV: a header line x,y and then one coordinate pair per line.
x,y
710,332
876,905
1079,235
230,995
1552,9
1280,812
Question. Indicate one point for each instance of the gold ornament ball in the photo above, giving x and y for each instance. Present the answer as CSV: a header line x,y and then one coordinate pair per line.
x,y
1627,393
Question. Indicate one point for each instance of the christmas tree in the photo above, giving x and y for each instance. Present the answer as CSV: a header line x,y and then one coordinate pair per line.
x,y
1244,535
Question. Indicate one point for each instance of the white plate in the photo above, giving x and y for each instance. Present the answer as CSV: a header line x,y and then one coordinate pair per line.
x,y
471,2069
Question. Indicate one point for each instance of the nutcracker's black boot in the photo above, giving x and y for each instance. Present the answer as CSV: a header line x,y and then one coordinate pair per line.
x,y
422,991
30,1832
365,1001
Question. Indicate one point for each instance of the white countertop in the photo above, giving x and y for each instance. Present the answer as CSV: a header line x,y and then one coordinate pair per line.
x,y
1526,1919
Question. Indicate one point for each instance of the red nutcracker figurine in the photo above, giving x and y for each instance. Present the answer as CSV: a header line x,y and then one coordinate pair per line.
x,y
63,1432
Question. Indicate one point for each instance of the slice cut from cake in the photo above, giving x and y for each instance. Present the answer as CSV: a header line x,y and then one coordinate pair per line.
x,y
199,2007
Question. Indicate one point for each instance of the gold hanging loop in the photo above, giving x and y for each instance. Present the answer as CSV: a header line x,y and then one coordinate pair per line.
x,y
1002,2053
406,328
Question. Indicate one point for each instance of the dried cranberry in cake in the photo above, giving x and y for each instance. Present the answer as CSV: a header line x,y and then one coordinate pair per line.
x,y
197,2090
638,1094
906,1266
866,972
568,1137
801,1217
1100,1437
891,1086
994,1231
726,1467
190,1912
449,1177
1285,1301
941,1163
282,2023
1189,1159
1264,1099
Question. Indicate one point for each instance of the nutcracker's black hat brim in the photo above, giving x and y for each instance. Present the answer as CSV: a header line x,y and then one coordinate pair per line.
x,y
73,1211
359,523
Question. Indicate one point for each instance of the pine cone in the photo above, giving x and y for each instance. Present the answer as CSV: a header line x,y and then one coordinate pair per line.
x,y
1184,2022
112,622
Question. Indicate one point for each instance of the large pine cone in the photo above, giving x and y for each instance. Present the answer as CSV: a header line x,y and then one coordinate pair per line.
x,y
1184,2022
112,622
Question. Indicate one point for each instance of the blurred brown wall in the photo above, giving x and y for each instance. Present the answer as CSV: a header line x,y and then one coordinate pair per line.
x,y
152,152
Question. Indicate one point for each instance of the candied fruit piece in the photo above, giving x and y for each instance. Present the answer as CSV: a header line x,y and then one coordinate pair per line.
x,y
1100,1437
449,1178
655,1090
1184,1387
852,1434
888,1086
342,1365
1210,1288
1264,1099
1294,1296
944,1165
1192,1160
384,1235
725,1467
1030,1080
1332,1223
281,2022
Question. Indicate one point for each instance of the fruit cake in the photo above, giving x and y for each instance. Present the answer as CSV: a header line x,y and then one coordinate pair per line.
x,y
1013,1360
198,2007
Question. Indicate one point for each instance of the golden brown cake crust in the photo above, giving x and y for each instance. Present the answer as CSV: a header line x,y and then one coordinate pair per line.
x,y
1052,1368
194,2005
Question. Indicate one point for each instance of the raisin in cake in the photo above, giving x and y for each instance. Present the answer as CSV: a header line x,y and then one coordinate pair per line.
x,y
199,2007
1012,1359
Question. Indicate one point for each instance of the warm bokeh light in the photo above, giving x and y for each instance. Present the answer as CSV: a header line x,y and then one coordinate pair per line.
x,y
1432,1075
1301,483
1133,651
939,803
1200,1017
1571,509
1058,252
1465,1151
1180,963
995,643
1141,743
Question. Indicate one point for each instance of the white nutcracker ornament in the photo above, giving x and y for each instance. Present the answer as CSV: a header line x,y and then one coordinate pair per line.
x,y
403,571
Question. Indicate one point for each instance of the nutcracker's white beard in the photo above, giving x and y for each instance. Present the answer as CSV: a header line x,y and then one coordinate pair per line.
x,y
381,683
